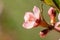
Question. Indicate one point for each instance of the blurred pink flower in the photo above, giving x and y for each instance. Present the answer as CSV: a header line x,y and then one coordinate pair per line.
x,y
33,19
52,15
57,26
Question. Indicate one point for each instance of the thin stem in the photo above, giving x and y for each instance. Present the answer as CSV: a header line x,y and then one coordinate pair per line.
x,y
41,7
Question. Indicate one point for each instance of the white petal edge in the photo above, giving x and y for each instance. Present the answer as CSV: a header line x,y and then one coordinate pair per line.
x,y
57,26
59,16
36,11
28,25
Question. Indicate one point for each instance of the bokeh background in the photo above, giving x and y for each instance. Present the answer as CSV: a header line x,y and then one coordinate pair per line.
x,y
12,18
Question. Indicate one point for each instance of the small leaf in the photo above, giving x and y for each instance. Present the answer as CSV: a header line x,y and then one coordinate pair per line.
x,y
53,3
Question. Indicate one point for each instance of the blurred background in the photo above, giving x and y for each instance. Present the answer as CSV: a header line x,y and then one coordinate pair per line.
x,y
12,18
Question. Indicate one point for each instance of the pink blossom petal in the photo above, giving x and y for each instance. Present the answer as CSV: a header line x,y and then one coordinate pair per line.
x,y
51,11
29,25
36,12
59,17
52,15
28,16
57,26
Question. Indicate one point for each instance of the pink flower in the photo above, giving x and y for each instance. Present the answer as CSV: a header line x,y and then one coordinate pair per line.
x,y
52,15
57,26
33,19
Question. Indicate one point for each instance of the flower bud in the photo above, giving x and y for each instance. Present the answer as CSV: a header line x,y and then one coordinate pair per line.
x,y
52,15
43,33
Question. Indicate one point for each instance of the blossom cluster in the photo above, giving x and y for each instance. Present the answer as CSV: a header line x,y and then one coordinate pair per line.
x,y
35,19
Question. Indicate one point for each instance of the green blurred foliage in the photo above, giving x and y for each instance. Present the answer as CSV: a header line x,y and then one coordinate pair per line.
x,y
12,19
53,3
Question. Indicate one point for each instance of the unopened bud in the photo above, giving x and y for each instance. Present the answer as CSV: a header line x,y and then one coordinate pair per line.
x,y
43,33
52,15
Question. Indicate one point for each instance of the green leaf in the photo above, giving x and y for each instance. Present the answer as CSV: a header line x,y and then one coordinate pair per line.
x,y
53,3
57,3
